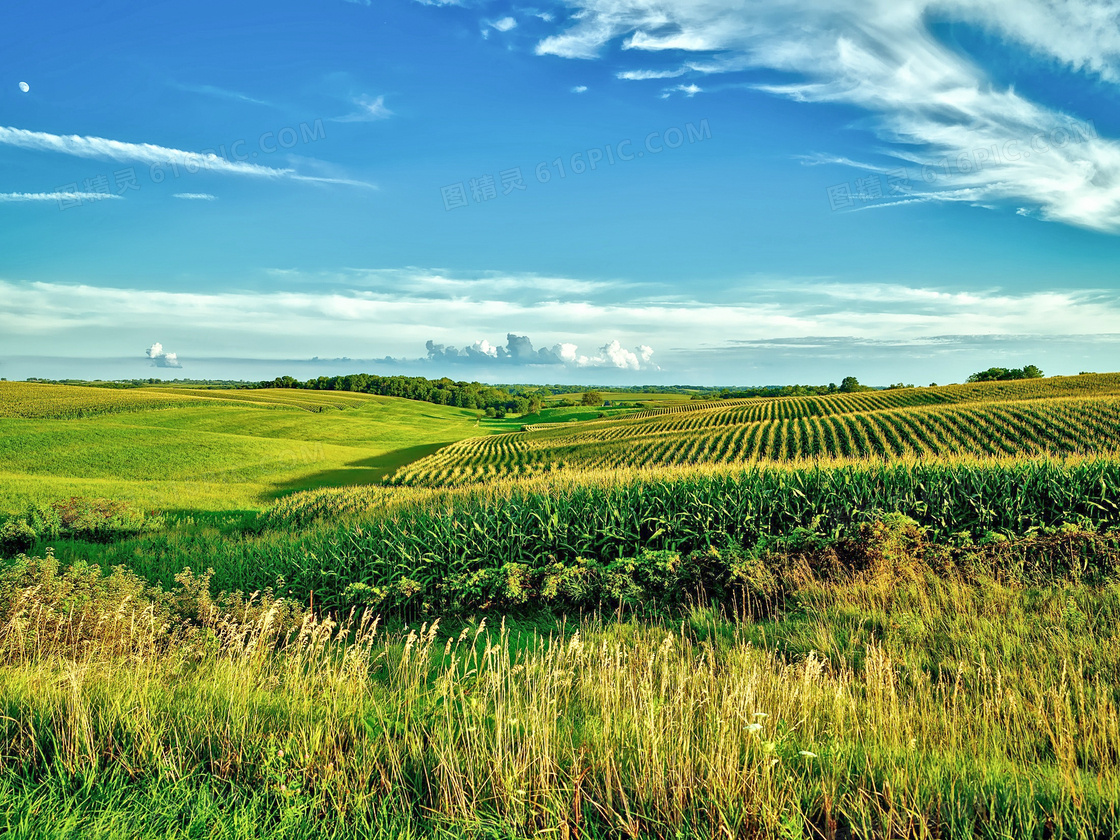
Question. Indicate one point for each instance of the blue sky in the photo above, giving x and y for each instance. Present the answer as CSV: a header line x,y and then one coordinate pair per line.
x,y
789,191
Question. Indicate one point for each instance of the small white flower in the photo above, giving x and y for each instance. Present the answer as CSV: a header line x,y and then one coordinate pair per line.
x,y
754,727
808,754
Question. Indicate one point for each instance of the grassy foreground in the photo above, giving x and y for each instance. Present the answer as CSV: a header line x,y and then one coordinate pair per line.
x,y
888,702
888,646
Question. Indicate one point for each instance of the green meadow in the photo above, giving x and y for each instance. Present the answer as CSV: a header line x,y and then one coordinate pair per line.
x,y
213,450
296,614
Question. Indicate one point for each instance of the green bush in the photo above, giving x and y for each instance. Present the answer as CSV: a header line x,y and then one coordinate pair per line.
x,y
93,520
16,537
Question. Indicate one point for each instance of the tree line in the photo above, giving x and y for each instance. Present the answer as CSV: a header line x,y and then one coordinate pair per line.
x,y
445,391
848,385
1000,374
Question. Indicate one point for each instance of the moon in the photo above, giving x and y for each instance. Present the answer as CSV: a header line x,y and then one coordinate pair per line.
x,y
24,86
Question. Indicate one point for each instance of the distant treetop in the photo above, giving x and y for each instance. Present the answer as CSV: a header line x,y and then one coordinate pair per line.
x,y
999,374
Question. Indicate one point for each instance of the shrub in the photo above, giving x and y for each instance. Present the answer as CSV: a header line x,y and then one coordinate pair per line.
x,y
93,520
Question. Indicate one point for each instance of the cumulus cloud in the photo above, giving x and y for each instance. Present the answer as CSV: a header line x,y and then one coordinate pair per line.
x,y
929,101
162,359
519,350
504,24
612,354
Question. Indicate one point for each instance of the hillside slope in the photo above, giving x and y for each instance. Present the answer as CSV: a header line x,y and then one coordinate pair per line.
x,y
1079,414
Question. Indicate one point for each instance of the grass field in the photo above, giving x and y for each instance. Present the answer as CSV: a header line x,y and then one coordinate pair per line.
x,y
186,449
881,614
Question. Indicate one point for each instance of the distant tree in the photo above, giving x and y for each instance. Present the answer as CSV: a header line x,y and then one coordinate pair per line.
x,y
521,405
1001,374
591,398
849,384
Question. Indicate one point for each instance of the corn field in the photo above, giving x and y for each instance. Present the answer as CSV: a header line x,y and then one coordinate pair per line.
x,y
66,402
1077,415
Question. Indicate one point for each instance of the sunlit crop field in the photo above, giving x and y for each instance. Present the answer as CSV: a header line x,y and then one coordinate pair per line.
x,y
1054,416
206,449
33,399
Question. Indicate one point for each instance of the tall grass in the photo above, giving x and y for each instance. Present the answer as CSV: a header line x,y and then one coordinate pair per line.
x,y
892,702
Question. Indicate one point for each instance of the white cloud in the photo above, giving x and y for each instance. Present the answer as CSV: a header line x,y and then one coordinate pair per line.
x,y
196,196
518,350
579,89
369,109
930,101
688,90
610,355
642,75
328,319
485,348
100,148
160,358
504,24
54,196
221,93
613,354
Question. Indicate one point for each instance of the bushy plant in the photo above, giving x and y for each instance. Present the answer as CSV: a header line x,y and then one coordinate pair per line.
x,y
93,520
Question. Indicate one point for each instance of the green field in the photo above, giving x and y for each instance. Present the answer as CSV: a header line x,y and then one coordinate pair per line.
x,y
302,614
188,449
1061,415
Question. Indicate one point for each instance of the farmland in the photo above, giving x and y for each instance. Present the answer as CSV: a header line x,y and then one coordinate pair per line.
x,y
1057,416
293,613
196,449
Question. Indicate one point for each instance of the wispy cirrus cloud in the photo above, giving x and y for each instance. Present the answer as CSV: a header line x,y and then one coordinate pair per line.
x,y
369,109
101,148
8,198
221,93
643,75
689,90
930,101
195,196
